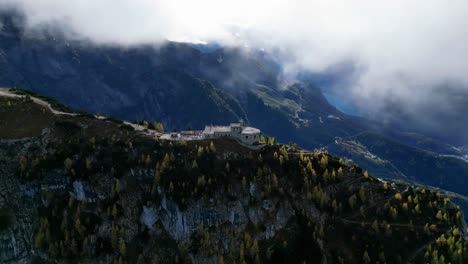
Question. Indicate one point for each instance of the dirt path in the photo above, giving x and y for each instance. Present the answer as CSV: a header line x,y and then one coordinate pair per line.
x,y
6,93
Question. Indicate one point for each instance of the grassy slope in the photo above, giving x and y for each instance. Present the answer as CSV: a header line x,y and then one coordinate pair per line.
x,y
34,118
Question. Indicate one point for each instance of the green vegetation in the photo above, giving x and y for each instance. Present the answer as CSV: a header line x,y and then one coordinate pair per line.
x,y
191,172
295,206
52,101
275,99
267,140
393,160
159,127
445,172
114,120
34,118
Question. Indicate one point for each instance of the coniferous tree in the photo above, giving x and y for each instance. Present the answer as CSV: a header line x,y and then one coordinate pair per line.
x,y
440,215
365,258
159,127
114,211
23,161
68,163
352,201
122,247
212,147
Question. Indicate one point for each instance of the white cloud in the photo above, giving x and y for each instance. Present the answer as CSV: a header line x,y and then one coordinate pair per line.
x,y
403,48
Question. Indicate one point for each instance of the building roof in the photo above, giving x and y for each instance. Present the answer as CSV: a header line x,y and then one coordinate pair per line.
x,y
219,129
250,131
227,129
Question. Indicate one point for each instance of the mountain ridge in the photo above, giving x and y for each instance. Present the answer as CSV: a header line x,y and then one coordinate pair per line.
x,y
78,187
183,87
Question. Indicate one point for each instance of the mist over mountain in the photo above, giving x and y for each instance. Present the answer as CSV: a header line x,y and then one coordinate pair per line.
x,y
408,66
184,86
365,157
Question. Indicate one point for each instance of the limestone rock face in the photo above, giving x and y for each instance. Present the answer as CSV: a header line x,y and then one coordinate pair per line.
x,y
20,199
181,225
89,188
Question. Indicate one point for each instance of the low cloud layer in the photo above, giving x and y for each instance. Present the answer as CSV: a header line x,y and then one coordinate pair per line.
x,y
404,51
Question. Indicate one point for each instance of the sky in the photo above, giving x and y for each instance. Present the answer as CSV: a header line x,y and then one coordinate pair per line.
x,y
403,51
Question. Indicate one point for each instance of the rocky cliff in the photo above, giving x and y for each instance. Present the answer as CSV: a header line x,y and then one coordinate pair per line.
x,y
184,86
78,188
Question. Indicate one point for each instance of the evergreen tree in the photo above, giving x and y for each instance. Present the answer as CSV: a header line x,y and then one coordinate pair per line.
x,y
340,171
200,151
122,247
365,258
262,139
385,185
362,194
159,127
23,161
439,215
68,163
114,236
254,250
114,211
398,196
352,201
212,147
375,226
324,160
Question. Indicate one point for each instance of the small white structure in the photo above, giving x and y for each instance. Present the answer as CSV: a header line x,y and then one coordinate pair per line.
x,y
246,135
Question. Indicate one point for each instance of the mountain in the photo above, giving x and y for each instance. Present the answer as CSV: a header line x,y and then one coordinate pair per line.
x,y
79,187
174,83
391,159
446,171
189,86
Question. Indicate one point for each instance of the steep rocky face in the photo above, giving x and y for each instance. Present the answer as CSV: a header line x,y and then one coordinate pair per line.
x,y
83,188
186,87
17,206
